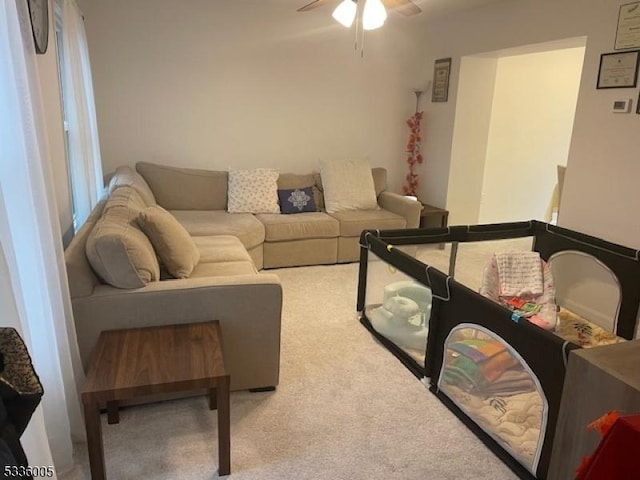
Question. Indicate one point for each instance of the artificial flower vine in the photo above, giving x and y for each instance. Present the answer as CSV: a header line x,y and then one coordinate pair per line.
x,y
414,156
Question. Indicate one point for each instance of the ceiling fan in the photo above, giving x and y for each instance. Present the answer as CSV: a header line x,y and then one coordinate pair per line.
x,y
404,7
367,14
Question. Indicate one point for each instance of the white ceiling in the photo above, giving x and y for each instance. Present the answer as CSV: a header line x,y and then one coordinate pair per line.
x,y
430,8
441,6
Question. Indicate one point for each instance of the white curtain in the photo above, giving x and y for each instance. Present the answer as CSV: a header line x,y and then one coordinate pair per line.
x,y
85,166
34,440
32,267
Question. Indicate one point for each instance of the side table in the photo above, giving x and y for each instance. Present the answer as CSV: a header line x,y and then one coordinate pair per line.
x,y
138,362
429,212
598,380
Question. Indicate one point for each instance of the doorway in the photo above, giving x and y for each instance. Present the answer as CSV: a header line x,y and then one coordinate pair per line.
x,y
513,125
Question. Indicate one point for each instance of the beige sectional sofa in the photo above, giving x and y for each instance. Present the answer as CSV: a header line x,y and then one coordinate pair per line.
x,y
226,283
198,199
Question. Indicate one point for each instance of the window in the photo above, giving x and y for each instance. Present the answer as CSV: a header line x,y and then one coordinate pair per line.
x,y
79,118
65,123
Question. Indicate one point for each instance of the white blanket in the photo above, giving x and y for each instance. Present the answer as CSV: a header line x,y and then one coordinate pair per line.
x,y
514,421
520,274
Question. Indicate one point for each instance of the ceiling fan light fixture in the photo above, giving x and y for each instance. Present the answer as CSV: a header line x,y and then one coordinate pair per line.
x,y
374,15
345,13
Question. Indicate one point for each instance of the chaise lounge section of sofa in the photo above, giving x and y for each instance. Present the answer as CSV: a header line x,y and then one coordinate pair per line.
x,y
217,289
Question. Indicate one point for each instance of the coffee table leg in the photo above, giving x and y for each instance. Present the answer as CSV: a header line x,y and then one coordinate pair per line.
x,y
112,413
213,404
94,440
224,426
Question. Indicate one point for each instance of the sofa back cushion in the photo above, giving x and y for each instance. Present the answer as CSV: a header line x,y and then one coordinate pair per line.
x,y
170,240
125,176
82,278
185,188
125,196
119,252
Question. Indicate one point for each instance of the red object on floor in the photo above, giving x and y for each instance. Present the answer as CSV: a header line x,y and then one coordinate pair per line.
x,y
604,423
616,457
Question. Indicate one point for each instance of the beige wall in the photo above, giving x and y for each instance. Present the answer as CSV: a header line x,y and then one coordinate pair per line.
x,y
600,195
470,138
219,84
531,124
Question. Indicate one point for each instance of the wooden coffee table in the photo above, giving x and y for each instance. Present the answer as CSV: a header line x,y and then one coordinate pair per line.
x,y
133,363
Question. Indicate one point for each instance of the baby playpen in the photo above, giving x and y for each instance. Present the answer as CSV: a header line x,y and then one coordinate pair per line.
x,y
500,373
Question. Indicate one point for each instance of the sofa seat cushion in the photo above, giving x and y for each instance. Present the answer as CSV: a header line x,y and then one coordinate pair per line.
x,y
222,255
299,226
200,223
353,222
221,248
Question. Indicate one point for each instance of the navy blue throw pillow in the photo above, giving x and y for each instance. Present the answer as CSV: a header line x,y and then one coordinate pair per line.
x,y
296,200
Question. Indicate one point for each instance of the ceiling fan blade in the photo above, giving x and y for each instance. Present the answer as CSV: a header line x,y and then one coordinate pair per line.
x,y
404,7
312,5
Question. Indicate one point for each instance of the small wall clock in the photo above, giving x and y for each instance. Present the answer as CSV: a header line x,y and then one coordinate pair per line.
x,y
39,14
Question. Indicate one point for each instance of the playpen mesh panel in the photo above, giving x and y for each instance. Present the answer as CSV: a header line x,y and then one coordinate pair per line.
x,y
587,287
491,383
398,307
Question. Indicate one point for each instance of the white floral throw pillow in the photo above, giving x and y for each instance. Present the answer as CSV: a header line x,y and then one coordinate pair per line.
x,y
253,191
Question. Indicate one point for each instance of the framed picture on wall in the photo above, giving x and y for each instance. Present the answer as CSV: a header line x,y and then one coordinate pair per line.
x,y
618,70
441,71
628,31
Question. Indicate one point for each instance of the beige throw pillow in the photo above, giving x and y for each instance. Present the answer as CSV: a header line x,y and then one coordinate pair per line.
x,y
253,191
171,241
348,185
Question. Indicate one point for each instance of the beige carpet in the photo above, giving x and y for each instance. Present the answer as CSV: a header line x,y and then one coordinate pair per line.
x,y
345,407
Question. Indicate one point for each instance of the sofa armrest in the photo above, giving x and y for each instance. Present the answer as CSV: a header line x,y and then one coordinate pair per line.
x,y
249,308
403,206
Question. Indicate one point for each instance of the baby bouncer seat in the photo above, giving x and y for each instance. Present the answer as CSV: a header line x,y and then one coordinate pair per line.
x,y
522,281
404,314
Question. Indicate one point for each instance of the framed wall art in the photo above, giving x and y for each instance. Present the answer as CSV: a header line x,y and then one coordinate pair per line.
x,y
441,72
628,31
618,70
